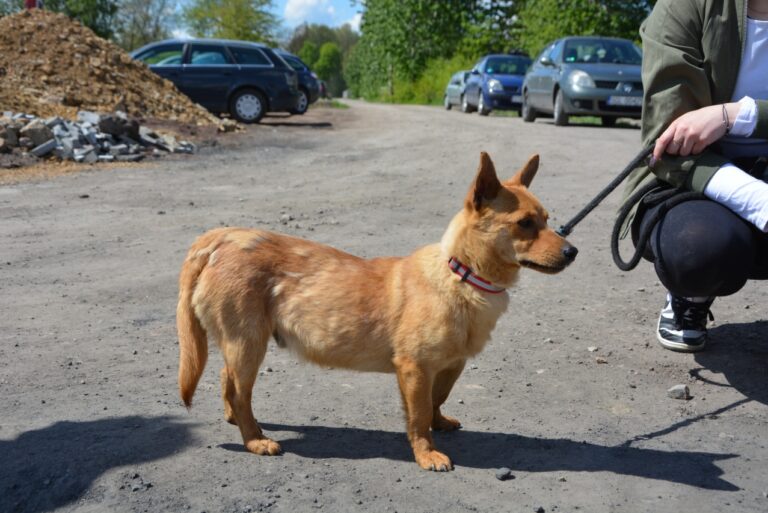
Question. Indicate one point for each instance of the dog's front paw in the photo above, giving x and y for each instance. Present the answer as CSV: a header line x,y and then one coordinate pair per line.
x,y
434,460
445,423
263,446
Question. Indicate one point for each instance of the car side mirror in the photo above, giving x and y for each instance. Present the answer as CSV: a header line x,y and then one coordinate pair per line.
x,y
475,72
546,61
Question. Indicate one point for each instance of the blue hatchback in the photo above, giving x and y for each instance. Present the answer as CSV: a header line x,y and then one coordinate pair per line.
x,y
309,85
245,79
496,83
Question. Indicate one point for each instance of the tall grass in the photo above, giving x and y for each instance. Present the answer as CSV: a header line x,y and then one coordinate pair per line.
x,y
429,88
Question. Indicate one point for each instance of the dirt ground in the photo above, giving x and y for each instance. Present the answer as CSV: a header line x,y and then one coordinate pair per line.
x,y
90,419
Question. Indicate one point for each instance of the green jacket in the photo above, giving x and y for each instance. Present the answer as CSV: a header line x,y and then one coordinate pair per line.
x,y
692,51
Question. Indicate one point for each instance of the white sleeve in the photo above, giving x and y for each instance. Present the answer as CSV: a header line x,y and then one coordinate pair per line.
x,y
745,122
745,195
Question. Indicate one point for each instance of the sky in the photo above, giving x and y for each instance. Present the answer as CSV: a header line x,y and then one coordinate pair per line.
x,y
327,12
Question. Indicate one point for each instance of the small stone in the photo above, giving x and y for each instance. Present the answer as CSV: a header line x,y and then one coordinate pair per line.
x,y
679,392
592,349
504,474
600,359
460,401
548,340
539,509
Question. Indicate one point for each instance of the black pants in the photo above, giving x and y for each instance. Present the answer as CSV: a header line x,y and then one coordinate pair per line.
x,y
701,248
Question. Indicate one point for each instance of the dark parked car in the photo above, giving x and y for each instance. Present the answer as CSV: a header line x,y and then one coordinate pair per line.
x,y
309,84
245,79
454,91
495,83
596,76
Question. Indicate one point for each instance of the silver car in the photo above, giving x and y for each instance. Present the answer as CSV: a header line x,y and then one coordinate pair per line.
x,y
454,91
585,76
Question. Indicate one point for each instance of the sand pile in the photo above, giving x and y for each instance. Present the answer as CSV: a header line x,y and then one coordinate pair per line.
x,y
51,65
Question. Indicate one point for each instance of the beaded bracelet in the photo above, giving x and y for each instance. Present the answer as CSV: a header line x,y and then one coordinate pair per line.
x,y
726,121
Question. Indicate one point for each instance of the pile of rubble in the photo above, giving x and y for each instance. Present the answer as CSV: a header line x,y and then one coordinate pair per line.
x,y
92,138
51,65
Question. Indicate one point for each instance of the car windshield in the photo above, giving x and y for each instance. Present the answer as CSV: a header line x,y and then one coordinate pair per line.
x,y
507,65
602,50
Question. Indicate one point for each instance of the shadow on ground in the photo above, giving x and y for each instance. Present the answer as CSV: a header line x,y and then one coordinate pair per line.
x,y
494,450
740,353
48,468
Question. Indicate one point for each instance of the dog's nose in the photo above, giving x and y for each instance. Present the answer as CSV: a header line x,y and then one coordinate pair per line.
x,y
570,252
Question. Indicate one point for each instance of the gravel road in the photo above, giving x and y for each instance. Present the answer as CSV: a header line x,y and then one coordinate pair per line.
x,y
570,395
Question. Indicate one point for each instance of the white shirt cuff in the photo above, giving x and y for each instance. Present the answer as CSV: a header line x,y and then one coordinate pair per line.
x,y
745,195
745,122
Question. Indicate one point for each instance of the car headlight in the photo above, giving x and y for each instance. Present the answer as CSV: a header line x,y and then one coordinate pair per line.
x,y
494,86
580,79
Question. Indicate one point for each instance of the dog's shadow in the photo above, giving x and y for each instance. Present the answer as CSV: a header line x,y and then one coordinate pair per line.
x,y
487,450
49,468
740,353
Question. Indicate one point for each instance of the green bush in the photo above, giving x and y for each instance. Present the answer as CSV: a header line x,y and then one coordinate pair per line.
x,y
428,89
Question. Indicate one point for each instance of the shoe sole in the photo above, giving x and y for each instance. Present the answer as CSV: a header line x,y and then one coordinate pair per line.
x,y
678,347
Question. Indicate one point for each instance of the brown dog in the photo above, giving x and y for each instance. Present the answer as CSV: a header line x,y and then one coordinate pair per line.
x,y
420,316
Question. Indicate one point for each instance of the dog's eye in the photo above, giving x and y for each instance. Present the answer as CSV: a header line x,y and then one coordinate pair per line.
x,y
525,223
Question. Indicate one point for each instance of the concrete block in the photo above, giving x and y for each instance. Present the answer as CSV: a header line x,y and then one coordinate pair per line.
x,y
130,158
37,132
87,116
44,149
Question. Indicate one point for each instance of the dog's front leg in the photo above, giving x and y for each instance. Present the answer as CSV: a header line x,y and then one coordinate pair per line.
x,y
440,389
416,388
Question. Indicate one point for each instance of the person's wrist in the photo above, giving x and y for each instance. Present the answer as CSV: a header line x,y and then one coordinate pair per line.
x,y
731,110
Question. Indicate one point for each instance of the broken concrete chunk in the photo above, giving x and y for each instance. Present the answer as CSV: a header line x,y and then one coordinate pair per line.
x,y
44,149
37,132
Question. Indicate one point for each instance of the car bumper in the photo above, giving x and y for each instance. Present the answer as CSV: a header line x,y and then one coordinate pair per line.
x,y
607,103
504,101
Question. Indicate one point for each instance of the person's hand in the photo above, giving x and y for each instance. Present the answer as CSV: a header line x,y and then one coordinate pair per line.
x,y
693,131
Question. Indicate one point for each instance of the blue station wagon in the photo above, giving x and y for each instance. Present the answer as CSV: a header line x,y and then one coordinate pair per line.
x,y
244,79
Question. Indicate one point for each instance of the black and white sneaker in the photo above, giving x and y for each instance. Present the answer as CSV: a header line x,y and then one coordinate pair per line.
x,y
683,323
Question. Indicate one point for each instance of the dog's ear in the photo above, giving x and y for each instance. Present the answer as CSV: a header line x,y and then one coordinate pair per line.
x,y
525,175
486,185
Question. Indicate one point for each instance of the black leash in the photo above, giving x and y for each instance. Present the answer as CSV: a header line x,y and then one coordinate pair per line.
x,y
566,229
655,193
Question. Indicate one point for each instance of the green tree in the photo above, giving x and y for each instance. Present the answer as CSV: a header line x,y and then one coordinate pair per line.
x,y
546,20
248,20
328,68
309,53
143,21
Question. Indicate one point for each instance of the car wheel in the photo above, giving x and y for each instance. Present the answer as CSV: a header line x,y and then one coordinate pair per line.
x,y
526,111
447,103
302,104
481,109
608,121
247,106
561,118
465,107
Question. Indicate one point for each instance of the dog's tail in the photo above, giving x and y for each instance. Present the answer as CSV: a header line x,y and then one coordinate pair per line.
x,y
193,340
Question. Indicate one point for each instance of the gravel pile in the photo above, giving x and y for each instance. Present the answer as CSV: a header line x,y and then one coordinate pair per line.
x,y
92,138
51,65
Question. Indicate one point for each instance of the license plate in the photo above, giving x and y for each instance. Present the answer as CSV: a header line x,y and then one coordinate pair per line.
x,y
517,99
625,101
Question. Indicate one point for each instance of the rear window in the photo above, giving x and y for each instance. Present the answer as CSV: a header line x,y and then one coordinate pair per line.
x,y
165,55
602,50
294,62
249,56
507,65
208,55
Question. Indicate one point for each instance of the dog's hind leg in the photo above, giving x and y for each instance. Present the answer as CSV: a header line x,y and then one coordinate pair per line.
x,y
416,388
242,360
440,389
